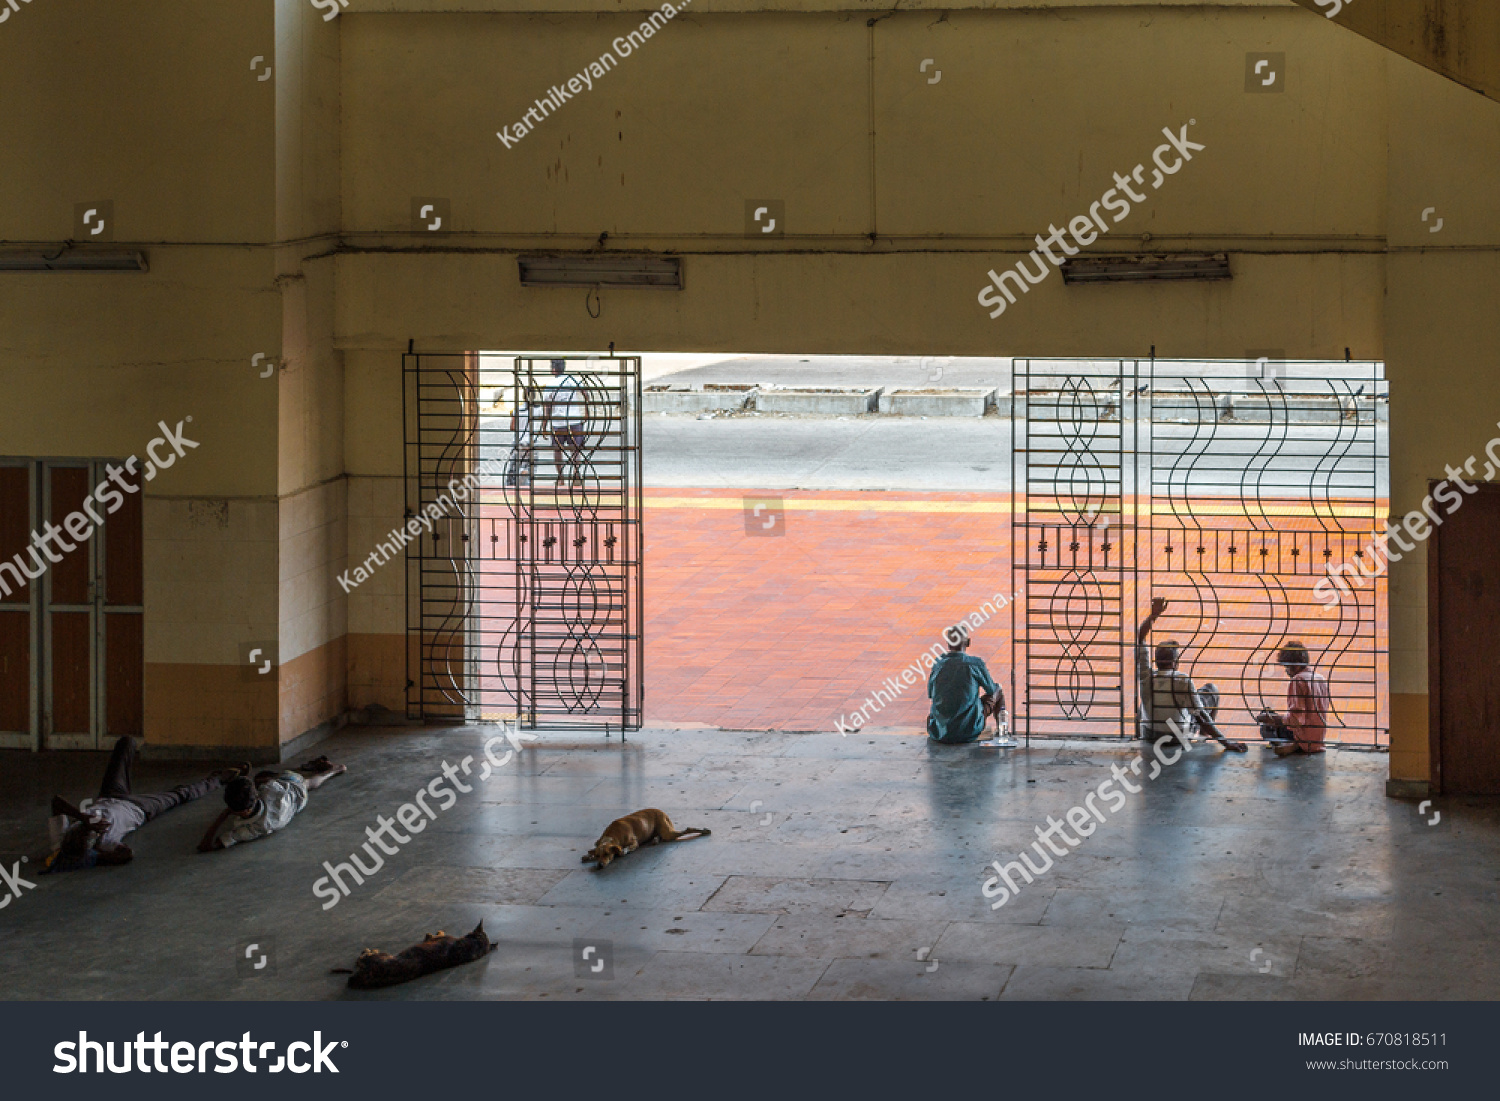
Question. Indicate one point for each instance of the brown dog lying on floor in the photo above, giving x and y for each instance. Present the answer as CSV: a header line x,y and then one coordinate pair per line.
x,y
437,952
644,827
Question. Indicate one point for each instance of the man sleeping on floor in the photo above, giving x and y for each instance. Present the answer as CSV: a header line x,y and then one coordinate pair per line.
x,y
256,809
97,835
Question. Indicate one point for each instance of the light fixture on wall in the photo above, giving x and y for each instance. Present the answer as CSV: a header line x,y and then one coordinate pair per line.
x,y
64,258
607,270
1147,269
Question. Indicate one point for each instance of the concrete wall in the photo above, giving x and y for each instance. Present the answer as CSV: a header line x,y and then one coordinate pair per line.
x,y
278,219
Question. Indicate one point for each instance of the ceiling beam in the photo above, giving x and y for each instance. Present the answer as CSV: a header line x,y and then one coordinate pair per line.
x,y
1458,39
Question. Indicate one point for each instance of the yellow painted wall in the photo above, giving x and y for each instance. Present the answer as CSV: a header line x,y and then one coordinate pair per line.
x,y
278,218
1032,116
1442,339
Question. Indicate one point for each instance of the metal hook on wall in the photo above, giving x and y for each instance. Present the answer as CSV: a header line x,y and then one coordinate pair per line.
x,y
598,307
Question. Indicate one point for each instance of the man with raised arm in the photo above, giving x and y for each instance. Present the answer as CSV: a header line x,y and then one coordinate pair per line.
x,y
1168,696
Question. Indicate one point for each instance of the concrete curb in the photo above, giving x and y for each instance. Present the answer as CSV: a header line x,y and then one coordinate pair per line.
x,y
682,399
937,403
1162,406
829,401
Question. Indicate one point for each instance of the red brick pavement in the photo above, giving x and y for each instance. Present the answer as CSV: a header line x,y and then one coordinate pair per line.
x,y
793,631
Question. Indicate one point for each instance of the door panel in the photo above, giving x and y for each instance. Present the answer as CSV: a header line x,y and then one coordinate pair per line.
x,y
17,699
1466,760
70,622
124,647
122,538
124,663
15,522
15,673
70,577
524,600
1131,481
70,676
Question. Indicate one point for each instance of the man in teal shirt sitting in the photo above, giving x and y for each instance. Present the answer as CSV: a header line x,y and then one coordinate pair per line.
x,y
962,692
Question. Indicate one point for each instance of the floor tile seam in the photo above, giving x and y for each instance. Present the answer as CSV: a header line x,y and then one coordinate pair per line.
x,y
1009,976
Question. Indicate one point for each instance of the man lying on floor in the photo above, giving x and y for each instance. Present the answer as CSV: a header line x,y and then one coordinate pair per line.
x,y
97,835
259,809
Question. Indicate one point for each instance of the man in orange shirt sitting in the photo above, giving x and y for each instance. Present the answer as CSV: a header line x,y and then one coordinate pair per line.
x,y
1307,704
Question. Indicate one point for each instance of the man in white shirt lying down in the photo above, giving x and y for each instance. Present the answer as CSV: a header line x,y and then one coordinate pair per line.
x,y
257,809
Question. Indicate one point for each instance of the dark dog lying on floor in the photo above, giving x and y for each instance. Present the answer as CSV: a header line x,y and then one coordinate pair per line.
x,y
644,827
437,952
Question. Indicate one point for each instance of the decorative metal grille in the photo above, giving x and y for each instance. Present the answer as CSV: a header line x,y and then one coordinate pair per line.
x,y
524,602
1229,488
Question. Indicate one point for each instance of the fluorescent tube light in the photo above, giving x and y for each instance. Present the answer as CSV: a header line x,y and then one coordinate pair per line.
x,y
63,258
602,271
1146,269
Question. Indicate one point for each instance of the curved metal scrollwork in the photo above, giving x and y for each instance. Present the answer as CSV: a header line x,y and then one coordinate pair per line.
x,y
446,650
531,608
1075,618
1229,491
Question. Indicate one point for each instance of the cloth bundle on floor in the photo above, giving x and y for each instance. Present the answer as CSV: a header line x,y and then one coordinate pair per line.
x,y
437,952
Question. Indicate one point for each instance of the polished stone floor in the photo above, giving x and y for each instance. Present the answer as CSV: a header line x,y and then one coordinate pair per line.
x,y
842,868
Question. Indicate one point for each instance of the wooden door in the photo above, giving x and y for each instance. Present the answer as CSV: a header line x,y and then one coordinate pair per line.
x,y
1464,587
72,655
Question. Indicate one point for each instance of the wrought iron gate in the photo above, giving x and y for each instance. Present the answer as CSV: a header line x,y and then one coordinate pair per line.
x,y
524,599
1231,489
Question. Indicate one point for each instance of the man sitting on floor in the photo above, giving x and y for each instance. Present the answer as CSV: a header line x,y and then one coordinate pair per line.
x,y
1307,704
259,809
97,835
1167,695
962,692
